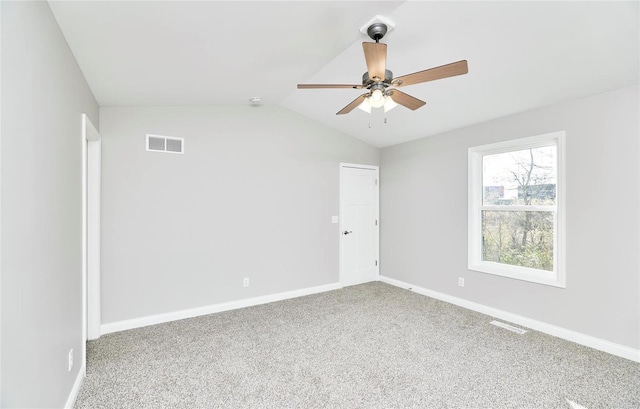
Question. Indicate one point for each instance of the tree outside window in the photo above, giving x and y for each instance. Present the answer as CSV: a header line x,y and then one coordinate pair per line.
x,y
514,209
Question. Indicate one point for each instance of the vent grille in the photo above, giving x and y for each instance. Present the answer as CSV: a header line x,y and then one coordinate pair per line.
x,y
167,144
509,327
174,145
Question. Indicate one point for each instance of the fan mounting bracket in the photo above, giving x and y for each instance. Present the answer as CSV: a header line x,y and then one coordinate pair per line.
x,y
390,25
376,31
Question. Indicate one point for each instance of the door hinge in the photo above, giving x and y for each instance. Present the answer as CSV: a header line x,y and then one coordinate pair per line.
x,y
376,182
376,222
376,262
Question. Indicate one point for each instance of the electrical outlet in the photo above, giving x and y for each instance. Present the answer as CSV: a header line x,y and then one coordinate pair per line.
x,y
245,282
70,359
461,281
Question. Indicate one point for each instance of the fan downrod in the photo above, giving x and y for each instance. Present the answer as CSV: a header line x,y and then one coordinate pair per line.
x,y
376,31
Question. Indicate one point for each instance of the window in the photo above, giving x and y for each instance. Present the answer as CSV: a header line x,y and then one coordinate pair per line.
x,y
516,225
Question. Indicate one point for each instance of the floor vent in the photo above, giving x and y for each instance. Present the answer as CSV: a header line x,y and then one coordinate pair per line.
x,y
574,405
167,144
509,327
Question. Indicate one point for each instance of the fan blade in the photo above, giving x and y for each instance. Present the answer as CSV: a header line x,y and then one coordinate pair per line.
x,y
311,86
352,105
376,56
444,71
406,100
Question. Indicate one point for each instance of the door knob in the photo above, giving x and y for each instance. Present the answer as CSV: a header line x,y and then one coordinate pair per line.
x,y
347,232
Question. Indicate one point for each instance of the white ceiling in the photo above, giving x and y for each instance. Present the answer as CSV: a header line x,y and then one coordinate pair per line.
x,y
521,55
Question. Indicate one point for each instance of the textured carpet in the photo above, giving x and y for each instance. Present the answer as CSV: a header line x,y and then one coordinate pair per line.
x,y
367,346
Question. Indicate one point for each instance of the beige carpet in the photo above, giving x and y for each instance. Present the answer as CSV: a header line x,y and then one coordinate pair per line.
x,y
367,346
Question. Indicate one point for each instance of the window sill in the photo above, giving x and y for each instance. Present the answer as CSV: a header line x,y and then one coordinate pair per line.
x,y
532,275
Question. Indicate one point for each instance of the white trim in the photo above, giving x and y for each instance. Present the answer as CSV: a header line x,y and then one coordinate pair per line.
x,y
73,395
94,183
341,218
212,309
0,214
91,176
358,166
556,278
84,141
569,335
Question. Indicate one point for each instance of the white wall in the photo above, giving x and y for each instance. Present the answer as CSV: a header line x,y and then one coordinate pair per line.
x,y
424,217
43,96
252,196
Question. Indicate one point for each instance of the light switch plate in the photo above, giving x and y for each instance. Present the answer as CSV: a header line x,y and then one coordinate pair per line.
x,y
334,219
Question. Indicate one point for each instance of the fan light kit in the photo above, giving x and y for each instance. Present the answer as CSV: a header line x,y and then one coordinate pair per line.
x,y
379,81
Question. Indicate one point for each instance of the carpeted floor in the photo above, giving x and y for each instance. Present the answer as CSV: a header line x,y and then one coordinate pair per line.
x,y
367,346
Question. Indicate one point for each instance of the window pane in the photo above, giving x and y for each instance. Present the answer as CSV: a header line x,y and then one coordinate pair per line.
x,y
518,238
524,177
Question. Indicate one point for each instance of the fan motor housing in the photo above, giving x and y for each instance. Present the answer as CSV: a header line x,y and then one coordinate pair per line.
x,y
367,81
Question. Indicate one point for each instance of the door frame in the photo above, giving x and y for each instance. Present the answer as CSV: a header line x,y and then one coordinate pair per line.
x,y
376,238
91,180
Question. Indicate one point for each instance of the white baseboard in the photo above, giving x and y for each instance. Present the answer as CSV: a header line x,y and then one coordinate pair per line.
x,y
577,337
212,309
73,395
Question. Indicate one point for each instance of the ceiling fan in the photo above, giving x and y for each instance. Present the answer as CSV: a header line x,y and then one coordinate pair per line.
x,y
379,81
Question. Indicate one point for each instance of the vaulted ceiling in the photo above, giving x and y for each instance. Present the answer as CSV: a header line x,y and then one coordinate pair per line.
x,y
521,55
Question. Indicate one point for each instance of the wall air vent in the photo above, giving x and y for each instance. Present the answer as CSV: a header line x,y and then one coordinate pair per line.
x,y
167,144
509,327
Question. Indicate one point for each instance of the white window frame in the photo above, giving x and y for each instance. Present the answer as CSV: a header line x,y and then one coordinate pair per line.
x,y
557,277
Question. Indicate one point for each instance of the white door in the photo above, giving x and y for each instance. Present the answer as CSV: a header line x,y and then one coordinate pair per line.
x,y
358,224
